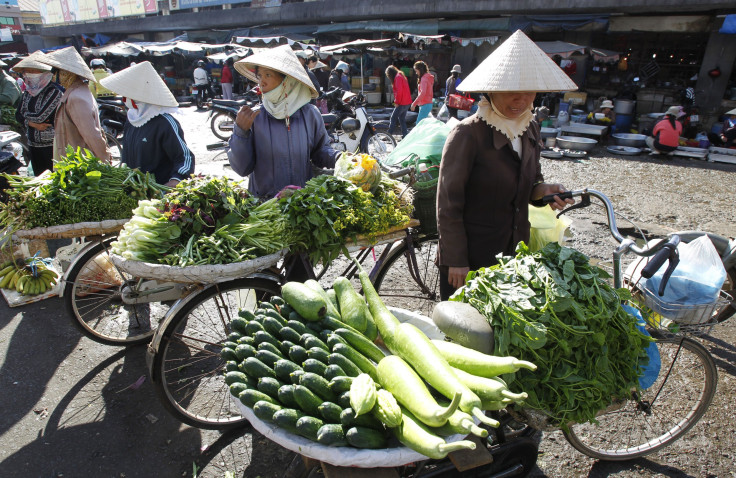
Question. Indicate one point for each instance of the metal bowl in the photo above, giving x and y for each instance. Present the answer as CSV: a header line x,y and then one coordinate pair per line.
x,y
632,140
548,132
576,143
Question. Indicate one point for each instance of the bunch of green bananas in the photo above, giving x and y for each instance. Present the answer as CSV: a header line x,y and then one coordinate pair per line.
x,y
24,280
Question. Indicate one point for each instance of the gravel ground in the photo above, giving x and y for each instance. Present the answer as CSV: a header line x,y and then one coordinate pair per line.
x,y
72,407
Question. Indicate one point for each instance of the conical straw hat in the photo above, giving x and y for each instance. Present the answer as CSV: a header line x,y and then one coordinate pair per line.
x,y
69,60
32,61
140,82
518,64
282,59
731,112
318,66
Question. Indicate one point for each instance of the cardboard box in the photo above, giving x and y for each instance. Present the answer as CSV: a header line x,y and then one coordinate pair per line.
x,y
575,98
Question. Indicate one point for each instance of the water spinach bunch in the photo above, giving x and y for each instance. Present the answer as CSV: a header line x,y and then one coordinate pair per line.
x,y
556,310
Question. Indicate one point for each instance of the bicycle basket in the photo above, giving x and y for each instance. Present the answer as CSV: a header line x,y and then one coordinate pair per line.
x,y
425,196
691,318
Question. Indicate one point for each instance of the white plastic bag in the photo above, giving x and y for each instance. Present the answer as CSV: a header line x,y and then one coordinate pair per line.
x,y
443,114
696,280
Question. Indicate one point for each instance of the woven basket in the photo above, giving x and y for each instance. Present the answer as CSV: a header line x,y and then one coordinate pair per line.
x,y
425,205
68,231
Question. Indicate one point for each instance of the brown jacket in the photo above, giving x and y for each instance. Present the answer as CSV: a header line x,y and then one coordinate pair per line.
x,y
483,193
77,123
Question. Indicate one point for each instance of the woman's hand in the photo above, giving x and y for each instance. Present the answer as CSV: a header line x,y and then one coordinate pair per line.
x,y
39,126
456,276
245,117
413,106
171,183
544,189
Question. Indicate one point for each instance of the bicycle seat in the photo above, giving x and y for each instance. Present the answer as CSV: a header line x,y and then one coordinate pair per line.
x,y
329,119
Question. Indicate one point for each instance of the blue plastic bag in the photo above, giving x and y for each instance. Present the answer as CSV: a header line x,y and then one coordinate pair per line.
x,y
650,370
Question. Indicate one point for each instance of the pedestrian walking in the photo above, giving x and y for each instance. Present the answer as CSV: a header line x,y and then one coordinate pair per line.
x,y
402,99
424,91
226,80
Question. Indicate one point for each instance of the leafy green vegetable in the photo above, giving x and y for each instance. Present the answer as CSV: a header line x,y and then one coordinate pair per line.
x,y
554,309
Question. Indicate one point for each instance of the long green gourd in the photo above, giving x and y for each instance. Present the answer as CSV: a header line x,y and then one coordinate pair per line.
x,y
478,363
417,436
384,319
488,389
408,388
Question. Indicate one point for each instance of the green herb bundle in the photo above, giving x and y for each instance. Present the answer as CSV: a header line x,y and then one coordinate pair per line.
x,y
554,309
328,211
80,189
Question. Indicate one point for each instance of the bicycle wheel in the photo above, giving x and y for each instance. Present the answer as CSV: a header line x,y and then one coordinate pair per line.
x,y
381,145
654,418
187,369
93,296
222,125
411,280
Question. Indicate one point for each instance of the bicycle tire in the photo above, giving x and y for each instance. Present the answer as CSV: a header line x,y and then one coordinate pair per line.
x,y
396,283
187,369
380,145
116,148
216,125
677,400
92,297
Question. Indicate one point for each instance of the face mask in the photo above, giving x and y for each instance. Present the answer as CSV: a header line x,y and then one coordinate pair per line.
x,y
35,82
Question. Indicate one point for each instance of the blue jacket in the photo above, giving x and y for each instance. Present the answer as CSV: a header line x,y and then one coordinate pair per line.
x,y
273,156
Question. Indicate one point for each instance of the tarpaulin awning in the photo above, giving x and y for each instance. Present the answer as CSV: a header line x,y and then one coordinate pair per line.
x,y
555,23
421,38
155,48
477,41
356,44
599,54
276,40
235,54
564,49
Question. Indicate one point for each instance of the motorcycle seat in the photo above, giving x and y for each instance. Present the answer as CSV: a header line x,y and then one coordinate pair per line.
x,y
116,102
116,125
231,103
329,119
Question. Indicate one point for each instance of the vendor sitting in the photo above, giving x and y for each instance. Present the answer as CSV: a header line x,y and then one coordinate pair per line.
x,y
603,115
666,133
153,140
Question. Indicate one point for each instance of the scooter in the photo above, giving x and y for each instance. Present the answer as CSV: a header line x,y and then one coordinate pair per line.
x,y
112,116
223,113
351,129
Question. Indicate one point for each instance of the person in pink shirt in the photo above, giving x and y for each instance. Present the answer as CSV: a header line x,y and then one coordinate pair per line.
x,y
402,99
666,134
424,91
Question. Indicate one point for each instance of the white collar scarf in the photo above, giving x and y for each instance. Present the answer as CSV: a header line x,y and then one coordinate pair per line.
x,y
286,99
145,112
511,128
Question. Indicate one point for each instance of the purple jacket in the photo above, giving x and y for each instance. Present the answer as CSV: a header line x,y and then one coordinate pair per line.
x,y
275,157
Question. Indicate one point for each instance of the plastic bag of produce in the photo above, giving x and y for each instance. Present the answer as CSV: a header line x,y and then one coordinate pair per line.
x,y
360,169
546,227
426,140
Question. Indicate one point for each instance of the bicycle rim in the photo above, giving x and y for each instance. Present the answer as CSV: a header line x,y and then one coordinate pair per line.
x,y
403,285
188,369
678,399
222,126
93,299
381,145
116,149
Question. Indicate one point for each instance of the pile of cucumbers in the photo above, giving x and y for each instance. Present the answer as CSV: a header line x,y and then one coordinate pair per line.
x,y
297,373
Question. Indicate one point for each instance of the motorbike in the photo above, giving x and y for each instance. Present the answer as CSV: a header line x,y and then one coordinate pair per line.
x,y
351,129
112,116
223,113
202,93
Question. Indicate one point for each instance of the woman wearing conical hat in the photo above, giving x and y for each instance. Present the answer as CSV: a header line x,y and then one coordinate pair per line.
x,y
77,121
276,144
490,168
153,140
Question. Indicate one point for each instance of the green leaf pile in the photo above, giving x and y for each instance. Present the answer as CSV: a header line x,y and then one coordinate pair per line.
x,y
554,309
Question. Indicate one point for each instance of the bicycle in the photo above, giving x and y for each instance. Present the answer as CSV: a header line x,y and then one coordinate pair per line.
x,y
653,418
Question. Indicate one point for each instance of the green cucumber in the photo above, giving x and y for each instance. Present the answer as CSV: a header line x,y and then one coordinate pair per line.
x,y
318,385
285,346
314,366
265,410
361,344
318,353
308,427
288,333
334,324
363,363
230,345
276,315
285,311
229,354
276,300
347,365
295,317
263,336
271,348
307,302
243,351
285,395
257,369
270,386
353,309
295,376
335,339
298,326
266,306
349,420
344,399
268,357
272,325
333,371
330,412
231,366
286,418
298,354
234,337
252,327
308,402
340,384
310,340
284,368
360,437
237,388
233,377
324,334
331,435
247,315
251,396
246,340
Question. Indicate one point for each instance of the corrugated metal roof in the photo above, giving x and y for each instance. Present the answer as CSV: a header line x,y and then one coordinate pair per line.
x,y
29,5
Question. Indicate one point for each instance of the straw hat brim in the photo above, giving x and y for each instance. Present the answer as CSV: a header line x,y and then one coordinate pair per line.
x,y
140,82
31,62
68,59
673,110
319,65
518,64
732,112
282,59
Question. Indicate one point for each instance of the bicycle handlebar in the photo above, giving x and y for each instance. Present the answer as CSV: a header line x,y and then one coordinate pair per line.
x,y
662,251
